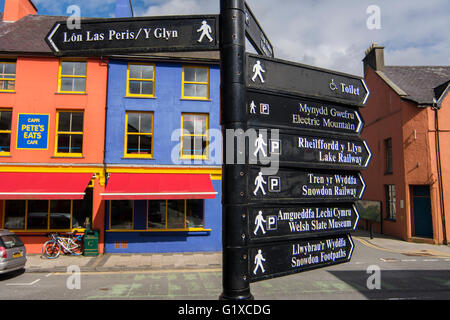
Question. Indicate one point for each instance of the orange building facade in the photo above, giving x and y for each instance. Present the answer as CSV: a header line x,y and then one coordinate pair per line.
x,y
52,111
407,126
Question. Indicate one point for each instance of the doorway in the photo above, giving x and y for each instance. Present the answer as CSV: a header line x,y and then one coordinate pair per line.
x,y
421,215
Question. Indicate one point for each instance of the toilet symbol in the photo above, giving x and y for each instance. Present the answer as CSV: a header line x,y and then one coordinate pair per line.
x,y
259,181
257,69
206,30
260,144
259,223
258,261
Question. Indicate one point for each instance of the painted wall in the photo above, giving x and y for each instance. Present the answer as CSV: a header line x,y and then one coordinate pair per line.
x,y
167,107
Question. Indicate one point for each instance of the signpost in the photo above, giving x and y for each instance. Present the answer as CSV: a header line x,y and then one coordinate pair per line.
x,y
291,205
134,35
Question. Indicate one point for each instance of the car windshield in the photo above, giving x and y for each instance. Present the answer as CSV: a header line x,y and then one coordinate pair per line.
x,y
11,241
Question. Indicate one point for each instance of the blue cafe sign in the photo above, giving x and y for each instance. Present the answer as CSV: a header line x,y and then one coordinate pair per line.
x,y
32,131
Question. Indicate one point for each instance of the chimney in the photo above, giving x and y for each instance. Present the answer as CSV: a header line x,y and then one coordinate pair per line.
x,y
374,58
17,9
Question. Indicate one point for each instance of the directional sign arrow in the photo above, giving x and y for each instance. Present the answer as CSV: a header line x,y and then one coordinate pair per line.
x,y
284,222
283,258
134,35
290,185
302,80
283,111
306,150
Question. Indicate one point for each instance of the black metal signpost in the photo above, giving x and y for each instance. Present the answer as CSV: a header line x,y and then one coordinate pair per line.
x,y
134,35
290,206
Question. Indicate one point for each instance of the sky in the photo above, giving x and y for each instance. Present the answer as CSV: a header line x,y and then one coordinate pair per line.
x,y
324,33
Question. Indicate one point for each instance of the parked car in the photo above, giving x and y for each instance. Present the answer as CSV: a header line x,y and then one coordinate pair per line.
x,y
12,252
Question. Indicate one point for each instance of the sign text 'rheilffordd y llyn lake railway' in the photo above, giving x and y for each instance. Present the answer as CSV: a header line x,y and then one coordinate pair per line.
x,y
136,35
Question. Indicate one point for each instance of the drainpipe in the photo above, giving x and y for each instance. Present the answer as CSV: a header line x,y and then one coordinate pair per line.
x,y
436,108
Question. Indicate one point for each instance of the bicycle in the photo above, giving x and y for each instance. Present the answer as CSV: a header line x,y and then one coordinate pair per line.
x,y
53,247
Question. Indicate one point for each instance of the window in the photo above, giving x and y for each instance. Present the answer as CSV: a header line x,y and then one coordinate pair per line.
x,y
388,150
69,134
47,215
195,83
175,214
194,136
7,76
72,77
141,80
5,131
391,211
121,214
139,134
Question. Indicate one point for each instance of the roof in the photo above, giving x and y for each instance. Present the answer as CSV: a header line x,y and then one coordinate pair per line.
x,y
417,83
27,37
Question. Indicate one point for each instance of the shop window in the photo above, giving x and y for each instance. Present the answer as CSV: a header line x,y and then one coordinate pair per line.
x,y
139,134
69,134
175,214
7,76
391,211
5,131
141,80
48,215
72,76
388,156
121,214
194,136
195,83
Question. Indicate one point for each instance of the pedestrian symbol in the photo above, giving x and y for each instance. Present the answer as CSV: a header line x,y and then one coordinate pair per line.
x,y
259,223
257,69
206,30
259,181
253,107
259,259
260,144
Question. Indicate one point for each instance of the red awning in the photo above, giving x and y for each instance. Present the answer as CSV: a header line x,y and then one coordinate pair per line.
x,y
43,186
155,186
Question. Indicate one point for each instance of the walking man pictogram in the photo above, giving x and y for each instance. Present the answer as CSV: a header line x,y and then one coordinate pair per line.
x,y
253,107
259,181
259,223
260,144
257,69
206,30
258,261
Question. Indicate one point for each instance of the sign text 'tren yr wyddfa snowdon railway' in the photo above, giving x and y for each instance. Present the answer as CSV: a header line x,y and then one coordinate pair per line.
x,y
136,35
302,80
279,259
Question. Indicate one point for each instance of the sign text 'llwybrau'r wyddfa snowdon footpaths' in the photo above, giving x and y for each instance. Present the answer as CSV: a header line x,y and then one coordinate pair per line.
x,y
274,260
135,35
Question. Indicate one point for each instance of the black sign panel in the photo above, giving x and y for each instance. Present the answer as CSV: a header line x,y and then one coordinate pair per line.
x,y
302,80
312,151
290,185
279,111
280,259
256,35
283,222
134,35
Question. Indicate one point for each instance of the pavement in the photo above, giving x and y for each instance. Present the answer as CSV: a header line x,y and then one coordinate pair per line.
x,y
206,260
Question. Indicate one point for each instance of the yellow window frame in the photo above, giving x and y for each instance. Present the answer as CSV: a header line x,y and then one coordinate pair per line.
x,y
135,155
204,156
128,94
9,79
184,82
57,133
61,76
3,153
132,218
185,220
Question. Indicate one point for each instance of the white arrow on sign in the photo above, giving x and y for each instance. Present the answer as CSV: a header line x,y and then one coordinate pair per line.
x,y
50,36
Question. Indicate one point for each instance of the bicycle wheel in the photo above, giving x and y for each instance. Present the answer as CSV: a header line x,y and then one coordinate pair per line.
x,y
75,248
51,249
